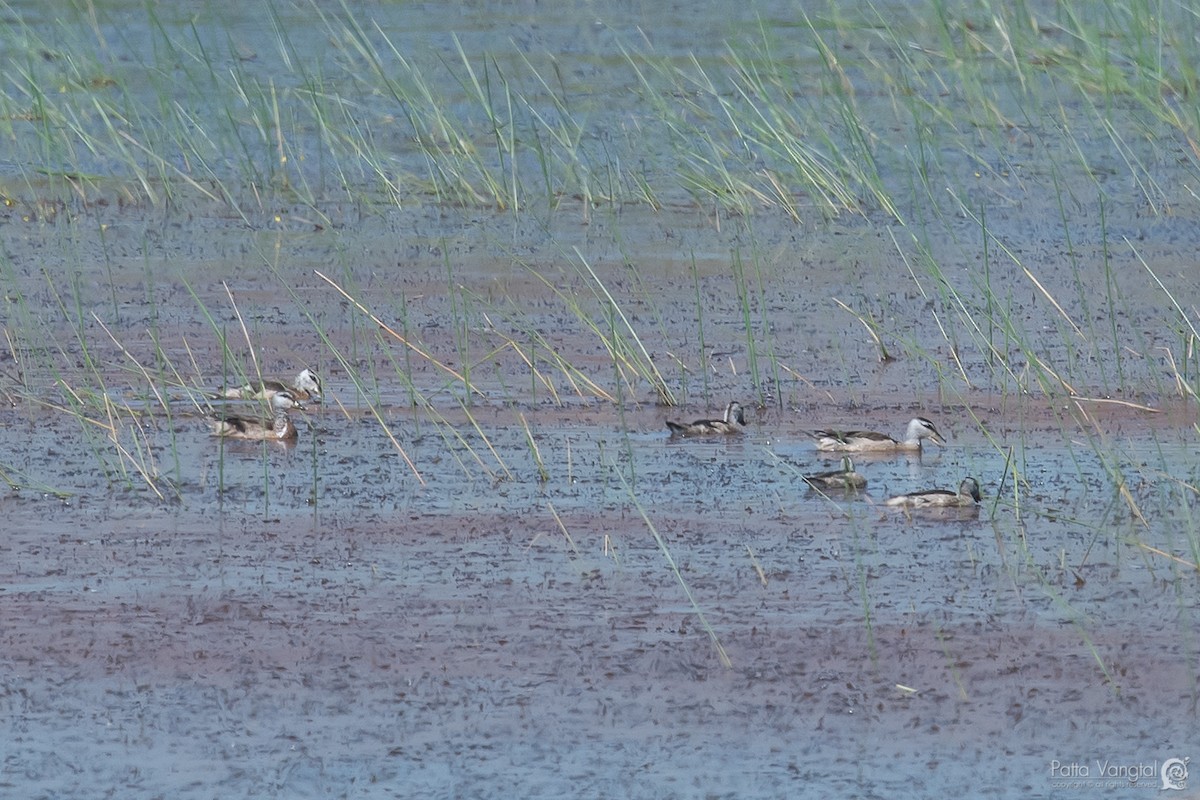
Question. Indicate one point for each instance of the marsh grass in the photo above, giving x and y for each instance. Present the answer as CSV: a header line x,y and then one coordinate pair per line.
x,y
873,329
1176,499
234,371
109,424
629,354
1188,354
458,377
283,133
451,435
737,137
17,481
513,125
118,434
702,354
26,341
570,540
759,572
599,313
750,297
665,549
546,361
542,472
860,584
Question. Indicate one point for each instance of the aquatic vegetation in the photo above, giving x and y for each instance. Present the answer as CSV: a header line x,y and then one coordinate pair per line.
x,y
501,256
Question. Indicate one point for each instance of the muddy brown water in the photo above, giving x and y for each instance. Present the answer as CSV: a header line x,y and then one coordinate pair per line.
x,y
404,605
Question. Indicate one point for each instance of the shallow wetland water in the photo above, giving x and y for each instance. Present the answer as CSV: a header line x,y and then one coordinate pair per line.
x,y
471,577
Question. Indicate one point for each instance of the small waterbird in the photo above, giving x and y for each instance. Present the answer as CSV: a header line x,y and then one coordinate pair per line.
x,y
844,478
967,496
872,442
307,386
733,422
280,427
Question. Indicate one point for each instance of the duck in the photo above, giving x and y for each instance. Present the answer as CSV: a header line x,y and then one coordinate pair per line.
x,y
733,422
279,428
306,386
966,497
871,442
844,478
